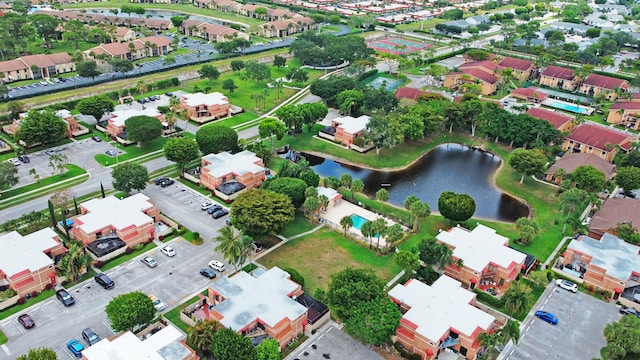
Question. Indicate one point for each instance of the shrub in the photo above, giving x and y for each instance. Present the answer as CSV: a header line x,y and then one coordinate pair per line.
x,y
404,353
99,264
129,250
196,235
21,301
367,74
49,286
139,247
295,276
34,294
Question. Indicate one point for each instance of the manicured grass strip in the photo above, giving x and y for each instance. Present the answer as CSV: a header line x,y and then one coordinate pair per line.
x,y
72,171
90,274
299,225
126,257
20,307
34,195
174,314
3,338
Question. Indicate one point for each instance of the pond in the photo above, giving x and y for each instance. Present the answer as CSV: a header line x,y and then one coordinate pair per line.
x,y
158,14
448,167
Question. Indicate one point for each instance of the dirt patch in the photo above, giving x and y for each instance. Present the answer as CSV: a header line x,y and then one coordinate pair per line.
x,y
391,354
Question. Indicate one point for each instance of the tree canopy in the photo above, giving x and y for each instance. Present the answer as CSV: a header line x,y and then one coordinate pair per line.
x,y
127,311
181,151
209,72
229,345
95,106
350,289
623,339
8,175
216,138
310,47
456,207
39,354
41,126
527,162
260,212
628,177
143,128
130,176
292,187
588,178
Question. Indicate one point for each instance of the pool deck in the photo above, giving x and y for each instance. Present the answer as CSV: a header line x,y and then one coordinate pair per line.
x,y
570,107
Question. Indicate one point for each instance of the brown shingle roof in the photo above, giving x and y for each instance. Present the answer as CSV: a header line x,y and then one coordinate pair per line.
x,y
558,72
598,136
482,75
614,211
554,118
569,162
410,93
627,105
605,82
487,65
530,92
516,64
40,60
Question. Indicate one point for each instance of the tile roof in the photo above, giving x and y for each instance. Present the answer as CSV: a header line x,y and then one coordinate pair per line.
x,y
554,118
571,161
627,105
605,82
489,66
413,93
598,136
40,60
530,92
516,64
482,75
558,72
614,211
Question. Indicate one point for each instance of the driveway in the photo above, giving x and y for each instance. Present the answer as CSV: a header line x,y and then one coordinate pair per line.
x,y
578,335
183,205
174,280
334,343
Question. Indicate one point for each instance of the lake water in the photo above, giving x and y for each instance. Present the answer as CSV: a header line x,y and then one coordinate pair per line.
x,y
157,14
448,167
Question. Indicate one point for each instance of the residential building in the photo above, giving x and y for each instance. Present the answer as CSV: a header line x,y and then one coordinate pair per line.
x,y
286,27
521,68
626,113
608,264
560,121
117,20
570,28
229,174
599,140
226,6
488,261
35,67
131,220
569,162
412,93
349,128
438,317
123,34
27,262
73,127
487,81
133,50
205,107
558,77
166,344
531,94
211,32
594,85
612,212
115,125
262,305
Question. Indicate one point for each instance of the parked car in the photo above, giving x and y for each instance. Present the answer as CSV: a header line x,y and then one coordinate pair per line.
x,y
208,273
157,303
625,310
96,138
26,321
547,316
90,336
213,208
44,83
110,152
65,298
14,161
567,285
24,158
216,265
160,180
149,261
75,347
257,247
168,250
167,182
206,205
219,213
104,281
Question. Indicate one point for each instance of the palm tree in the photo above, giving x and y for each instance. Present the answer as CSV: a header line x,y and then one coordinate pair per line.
x,y
380,229
409,201
324,202
394,234
419,210
443,255
368,232
357,186
382,195
171,119
518,298
346,222
234,247
201,335
75,262
489,341
510,331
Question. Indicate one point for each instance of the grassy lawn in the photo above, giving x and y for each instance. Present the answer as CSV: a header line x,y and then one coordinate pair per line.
x,y
3,338
72,171
126,257
299,225
131,151
319,255
18,308
174,314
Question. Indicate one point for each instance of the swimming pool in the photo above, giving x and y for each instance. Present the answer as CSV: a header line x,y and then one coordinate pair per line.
x,y
358,221
570,107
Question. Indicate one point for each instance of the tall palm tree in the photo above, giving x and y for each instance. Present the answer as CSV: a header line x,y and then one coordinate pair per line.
x,y
368,232
510,331
443,255
346,222
419,210
75,262
201,335
379,229
357,186
518,298
235,247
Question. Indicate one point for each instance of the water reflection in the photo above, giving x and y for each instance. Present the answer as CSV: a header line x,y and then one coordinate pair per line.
x,y
448,167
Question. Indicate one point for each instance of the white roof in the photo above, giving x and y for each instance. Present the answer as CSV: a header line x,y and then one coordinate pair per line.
x,y
112,211
616,256
63,113
248,298
481,246
328,192
118,117
163,345
440,307
225,163
21,253
352,125
214,98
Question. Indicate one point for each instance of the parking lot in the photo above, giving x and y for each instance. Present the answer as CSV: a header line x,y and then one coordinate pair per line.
x,y
173,280
336,344
183,205
578,335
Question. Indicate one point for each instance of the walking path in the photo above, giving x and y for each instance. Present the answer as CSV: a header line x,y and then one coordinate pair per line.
x,y
555,251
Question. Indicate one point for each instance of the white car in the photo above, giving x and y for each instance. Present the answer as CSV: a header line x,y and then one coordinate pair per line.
x,y
168,250
567,285
216,265
157,303
206,205
14,161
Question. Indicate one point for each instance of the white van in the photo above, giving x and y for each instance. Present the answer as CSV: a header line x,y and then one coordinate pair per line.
x,y
216,265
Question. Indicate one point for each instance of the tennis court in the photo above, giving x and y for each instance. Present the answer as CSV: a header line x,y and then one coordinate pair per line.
x,y
398,46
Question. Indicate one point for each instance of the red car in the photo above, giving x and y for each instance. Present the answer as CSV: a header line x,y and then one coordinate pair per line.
x,y
26,321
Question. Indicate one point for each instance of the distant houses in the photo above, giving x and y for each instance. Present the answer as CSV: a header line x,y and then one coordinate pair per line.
x,y
211,32
599,140
36,67
134,50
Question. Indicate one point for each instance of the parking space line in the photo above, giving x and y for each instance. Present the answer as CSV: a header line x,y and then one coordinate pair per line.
x,y
5,349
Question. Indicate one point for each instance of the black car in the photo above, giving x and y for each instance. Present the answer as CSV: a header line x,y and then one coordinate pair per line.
x,y
160,180
167,182
104,281
62,79
90,336
65,298
219,213
214,208
625,310
24,158
208,273
96,138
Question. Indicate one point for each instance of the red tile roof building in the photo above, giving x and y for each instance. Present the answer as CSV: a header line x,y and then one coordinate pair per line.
x,y
626,112
532,94
411,93
598,140
595,84
211,32
560,121
159,45
47,66
569,162
521,68
558,77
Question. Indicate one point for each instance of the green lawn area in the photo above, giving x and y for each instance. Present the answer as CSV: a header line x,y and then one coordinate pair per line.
x,y
299,225
18,308
131,151
72,171
319,255
3,338
126,257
